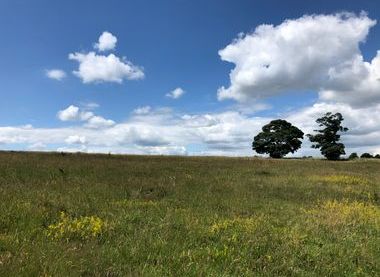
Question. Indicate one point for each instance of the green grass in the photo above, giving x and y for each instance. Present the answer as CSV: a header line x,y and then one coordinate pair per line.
x,y
104,215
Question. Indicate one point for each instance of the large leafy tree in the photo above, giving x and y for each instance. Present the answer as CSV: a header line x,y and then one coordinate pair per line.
x,y
277,139
327,138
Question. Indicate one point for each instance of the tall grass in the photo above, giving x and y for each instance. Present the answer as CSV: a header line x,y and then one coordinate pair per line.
x,y
105,215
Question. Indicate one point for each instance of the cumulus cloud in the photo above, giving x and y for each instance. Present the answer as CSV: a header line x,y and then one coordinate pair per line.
x,y
75,139
97,122
163,131
97,68
176,93
315,52
74,113
56,74
70,113
94,68
107,41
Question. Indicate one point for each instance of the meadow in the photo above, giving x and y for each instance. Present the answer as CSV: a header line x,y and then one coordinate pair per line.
x,y
110,215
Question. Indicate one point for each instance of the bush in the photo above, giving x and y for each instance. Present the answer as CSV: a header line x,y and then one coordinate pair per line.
x,y
353,156
366,156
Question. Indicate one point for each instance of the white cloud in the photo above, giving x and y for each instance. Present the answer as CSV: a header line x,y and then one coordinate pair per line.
x,y
176,93
94,68
97,122
107,41
69,114
314,52
162,131
74,113
56,74
75,139
98,68
165,150
142,110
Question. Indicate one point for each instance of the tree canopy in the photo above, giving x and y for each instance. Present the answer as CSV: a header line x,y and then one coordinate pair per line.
x,y
366,156
327,138
353,155
277,139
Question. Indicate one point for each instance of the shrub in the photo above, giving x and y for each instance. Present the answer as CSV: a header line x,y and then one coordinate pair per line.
x,y
353,156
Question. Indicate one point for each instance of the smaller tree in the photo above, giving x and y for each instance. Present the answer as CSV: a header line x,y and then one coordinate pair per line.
x,y
328,138
377,156
277,139
366,156
353,156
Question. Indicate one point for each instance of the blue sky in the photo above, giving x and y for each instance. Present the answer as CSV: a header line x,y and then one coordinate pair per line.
x,y
175,44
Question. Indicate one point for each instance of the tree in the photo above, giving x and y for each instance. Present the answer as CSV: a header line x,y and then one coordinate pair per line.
x,y
277,139
328,138
366,156
377,156
353,156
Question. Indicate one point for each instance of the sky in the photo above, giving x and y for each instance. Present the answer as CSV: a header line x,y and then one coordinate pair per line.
x,y
185,77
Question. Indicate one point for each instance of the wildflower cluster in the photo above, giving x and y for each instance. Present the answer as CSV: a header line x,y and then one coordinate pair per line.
x,y
335,213
83,228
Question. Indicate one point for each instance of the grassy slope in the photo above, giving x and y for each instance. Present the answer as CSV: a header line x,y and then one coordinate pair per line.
x,y
189,216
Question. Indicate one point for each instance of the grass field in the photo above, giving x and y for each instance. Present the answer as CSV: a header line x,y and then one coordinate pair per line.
x,y
101,215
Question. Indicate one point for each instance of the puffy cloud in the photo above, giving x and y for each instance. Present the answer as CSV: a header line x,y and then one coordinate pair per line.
x,y
314,52
163,131
147,136
165,150
74,113
97,122
75,139
357,83
176,93
107,41
56,74
70,113
94,68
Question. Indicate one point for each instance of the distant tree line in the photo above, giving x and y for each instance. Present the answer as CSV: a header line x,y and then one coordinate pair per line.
x,y
279,137
355,155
